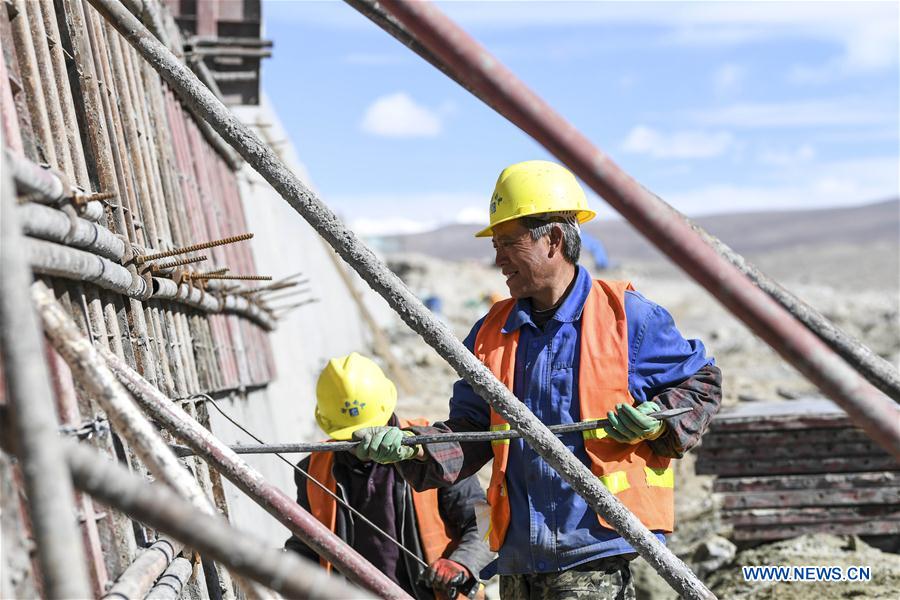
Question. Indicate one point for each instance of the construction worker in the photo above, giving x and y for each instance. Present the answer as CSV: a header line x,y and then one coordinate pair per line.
x,y
438,526
571,349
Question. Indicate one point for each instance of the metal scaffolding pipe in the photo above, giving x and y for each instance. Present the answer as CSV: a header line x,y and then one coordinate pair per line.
x,y
46,186
284,508
34,421
499,87
403,301
212,536
98,247
57,260
167,289
880,373
56,226
172,582
138,579
91,372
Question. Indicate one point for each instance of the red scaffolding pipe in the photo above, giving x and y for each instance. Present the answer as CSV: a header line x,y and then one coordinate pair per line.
x,y
500,89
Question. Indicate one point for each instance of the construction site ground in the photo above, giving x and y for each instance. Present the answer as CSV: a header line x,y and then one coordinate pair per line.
x,y
855,285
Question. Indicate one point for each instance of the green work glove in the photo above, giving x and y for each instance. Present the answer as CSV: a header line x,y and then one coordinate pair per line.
x,y
630,424
383,444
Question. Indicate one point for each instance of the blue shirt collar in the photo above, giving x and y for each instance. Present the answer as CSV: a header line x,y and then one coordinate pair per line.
x,y
569,311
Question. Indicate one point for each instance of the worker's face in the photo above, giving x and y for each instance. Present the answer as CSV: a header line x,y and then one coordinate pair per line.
x,y
526,263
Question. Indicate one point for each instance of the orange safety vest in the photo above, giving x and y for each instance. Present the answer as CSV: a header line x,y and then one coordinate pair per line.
x,y
641,480
432,532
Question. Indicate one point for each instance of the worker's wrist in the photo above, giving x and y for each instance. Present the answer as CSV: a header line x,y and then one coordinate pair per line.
x,y
658,434
416,451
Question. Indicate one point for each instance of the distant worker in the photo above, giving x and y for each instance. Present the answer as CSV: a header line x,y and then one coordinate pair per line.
x,y
437,525
571,349
595,248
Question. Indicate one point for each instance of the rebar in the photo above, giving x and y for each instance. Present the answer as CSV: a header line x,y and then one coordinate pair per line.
x,y
34,421
239,550
193,248
232,277
221,271
179,263
82,199
289,307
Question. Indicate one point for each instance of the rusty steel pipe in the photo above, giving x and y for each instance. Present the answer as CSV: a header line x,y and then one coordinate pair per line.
x,y
500,89
274,501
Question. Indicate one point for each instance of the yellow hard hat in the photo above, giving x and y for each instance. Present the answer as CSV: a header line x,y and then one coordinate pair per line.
x,y
352,393
534,187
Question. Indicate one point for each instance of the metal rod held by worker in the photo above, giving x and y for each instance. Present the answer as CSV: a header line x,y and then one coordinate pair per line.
x,y
415,440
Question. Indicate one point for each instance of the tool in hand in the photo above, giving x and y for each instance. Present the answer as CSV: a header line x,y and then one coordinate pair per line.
x,y
415,440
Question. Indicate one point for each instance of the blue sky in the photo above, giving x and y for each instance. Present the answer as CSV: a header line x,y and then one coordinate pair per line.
x,y
716,107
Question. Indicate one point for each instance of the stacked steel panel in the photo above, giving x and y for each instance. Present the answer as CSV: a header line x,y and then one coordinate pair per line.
x,y
790,468
76,97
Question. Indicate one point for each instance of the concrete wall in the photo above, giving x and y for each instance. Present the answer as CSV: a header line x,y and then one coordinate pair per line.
x,y
303,342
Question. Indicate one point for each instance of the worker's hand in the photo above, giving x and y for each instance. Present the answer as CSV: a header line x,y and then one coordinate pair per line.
x,y
444,574
383,444
630,424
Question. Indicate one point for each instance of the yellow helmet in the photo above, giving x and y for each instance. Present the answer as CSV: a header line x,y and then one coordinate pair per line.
x,y
534,187
352,393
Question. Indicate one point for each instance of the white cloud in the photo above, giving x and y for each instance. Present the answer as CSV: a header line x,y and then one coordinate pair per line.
x,y
476,215
403,213
787,157
381,226
399,116
809,185
727,79
680,144
804,113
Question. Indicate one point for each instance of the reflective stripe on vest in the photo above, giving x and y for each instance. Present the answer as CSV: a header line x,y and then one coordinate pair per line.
x,y
433,535
641,480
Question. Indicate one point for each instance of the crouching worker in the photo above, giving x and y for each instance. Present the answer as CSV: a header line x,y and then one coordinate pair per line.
x,y
438,526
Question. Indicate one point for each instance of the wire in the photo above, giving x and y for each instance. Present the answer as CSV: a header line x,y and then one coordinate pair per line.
x,y
317,482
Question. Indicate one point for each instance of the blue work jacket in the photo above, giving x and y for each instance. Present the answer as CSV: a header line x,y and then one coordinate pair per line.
x,y
552,528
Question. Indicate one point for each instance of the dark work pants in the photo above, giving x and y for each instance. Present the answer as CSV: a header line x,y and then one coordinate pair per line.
x,y
603,579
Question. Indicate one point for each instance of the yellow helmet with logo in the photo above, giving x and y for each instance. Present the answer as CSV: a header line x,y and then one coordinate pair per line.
x,y
534,187
352,393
